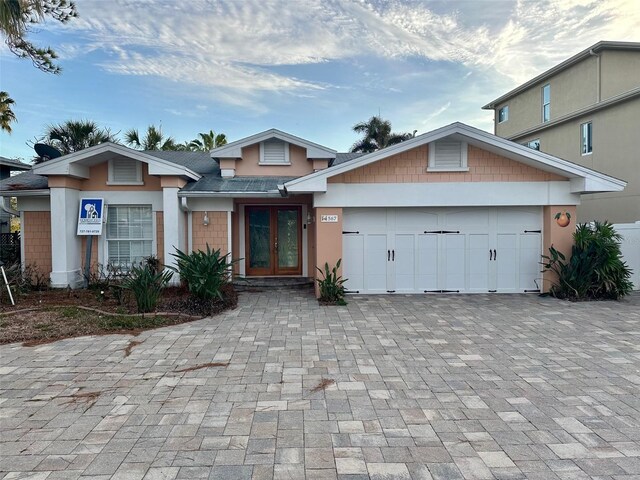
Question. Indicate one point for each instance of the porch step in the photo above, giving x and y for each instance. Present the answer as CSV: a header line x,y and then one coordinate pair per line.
x,y
274,283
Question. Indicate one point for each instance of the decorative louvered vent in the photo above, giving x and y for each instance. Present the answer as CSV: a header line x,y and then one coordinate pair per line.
x,y
274,152
448,155
125,170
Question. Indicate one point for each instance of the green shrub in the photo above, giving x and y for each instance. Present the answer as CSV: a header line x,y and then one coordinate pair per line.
x,y
595,270
146,286
204,273
331,285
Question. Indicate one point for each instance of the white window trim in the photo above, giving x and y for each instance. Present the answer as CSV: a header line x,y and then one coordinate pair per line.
x,y
287,160
103,240
582,139
528,144
545,104
139,180
432,160
499,110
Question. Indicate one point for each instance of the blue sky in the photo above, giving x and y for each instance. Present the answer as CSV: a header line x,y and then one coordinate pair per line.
x,y
310,67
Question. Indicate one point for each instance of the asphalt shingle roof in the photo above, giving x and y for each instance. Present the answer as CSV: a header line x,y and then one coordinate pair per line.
x,y
199,162
24,181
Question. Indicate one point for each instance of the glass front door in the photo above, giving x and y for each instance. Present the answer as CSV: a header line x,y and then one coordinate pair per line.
x,y
273,240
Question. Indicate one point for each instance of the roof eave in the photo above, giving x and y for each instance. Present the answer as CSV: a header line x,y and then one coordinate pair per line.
x,y
596,48
41,192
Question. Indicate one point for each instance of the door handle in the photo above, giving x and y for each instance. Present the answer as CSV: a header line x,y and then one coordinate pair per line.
x,y
490,255
393,255
495,254
388,255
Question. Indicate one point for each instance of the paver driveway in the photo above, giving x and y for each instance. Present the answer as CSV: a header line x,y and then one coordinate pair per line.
x,y
444,387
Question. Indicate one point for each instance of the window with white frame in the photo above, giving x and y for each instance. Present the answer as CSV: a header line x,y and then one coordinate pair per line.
x,y
447,155
535,144
129,235
546,103
586,138
274,152
503,114
125,171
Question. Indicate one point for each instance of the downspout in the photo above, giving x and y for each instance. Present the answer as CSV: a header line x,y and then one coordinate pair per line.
x,y
185,208
8,209
598,75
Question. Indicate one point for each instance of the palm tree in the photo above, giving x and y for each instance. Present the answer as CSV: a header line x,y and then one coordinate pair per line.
x,y
376,134
153,140
207,141
6,114
75,135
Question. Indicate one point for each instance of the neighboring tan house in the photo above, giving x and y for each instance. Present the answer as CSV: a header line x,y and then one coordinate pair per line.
x,y
585,110
6,167
456,209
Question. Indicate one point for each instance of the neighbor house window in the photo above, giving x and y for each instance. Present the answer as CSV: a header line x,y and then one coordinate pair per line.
x,y
129,234
274,152
586,138
535,144
125,171
503,114
546,103
448,155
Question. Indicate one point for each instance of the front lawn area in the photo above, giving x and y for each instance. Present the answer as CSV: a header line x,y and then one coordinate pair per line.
x,y
49,315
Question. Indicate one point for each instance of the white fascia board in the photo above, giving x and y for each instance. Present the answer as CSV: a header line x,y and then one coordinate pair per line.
x,y
593,185
67,164
27,193
239,194
313,185
210,204
507,148
446,194
234,149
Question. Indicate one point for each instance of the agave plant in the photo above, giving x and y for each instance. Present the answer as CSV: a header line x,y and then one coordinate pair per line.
x,y
205,273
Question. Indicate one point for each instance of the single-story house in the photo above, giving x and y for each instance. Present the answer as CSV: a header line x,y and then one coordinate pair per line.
x,y
456,209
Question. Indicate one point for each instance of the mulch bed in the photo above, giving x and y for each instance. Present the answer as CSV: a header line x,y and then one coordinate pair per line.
x,y
49,315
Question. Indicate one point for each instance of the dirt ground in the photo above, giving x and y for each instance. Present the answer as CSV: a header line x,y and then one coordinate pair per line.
x,y
49,315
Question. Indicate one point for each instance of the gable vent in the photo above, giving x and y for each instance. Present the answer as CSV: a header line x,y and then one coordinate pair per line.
x,y
448,155
274,151
124,170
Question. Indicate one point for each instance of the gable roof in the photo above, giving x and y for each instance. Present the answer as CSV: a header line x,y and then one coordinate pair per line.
x,y
77,164
598,47
234,149
14,164
583,179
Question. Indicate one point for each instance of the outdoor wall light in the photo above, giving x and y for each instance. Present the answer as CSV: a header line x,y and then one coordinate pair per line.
x,y
205,219
309,218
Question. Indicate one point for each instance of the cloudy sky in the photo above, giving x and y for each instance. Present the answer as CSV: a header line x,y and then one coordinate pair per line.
x,y
310,67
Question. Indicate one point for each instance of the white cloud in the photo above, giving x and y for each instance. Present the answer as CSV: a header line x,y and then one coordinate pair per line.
x,y
241,50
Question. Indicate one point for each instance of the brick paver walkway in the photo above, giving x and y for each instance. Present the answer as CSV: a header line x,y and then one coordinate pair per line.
x,y
443,387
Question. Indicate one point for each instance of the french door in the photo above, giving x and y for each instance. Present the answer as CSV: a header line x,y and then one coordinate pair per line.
x,y
273,240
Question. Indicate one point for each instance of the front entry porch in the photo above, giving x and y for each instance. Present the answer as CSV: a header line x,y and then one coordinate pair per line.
x,y
273,240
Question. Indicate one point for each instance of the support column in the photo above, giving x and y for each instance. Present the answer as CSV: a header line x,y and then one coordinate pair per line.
x,y
328,240
556,235
65,244
174,227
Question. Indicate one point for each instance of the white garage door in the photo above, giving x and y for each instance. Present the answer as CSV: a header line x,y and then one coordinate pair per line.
x,y
417,250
